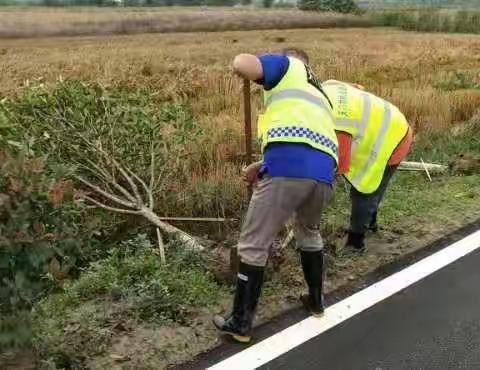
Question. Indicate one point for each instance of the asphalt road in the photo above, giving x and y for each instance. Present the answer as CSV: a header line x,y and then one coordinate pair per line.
x,y
433,324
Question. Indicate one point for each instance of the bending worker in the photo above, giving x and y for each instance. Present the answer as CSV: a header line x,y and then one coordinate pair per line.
x,y
299,146
374,137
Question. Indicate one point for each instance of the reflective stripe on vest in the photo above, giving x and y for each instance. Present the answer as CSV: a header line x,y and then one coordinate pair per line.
x,y
294,131
297,112
378,142
360,125
380,120
299,94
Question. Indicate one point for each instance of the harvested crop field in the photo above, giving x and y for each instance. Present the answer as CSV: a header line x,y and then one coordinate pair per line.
x,y
120,307
37,22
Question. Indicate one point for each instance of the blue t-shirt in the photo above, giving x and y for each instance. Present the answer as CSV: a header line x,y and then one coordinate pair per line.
x,y
291,159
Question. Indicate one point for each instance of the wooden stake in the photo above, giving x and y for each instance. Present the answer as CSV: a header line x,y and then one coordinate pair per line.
x,y
198,219
247,112
247,109
288,239
426,170
419,166
161,247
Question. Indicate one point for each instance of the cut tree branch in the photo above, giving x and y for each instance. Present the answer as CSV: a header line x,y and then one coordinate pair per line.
x,y
135,204
109,196
147,190
124,174
108,208
110,179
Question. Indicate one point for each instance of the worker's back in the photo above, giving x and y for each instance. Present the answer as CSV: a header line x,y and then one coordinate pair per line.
x,y
297,112
376,127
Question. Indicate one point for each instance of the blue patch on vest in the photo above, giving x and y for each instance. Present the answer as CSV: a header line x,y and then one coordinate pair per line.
x,y
297,160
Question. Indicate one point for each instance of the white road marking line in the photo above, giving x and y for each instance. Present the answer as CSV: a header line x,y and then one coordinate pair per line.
x,y
293,336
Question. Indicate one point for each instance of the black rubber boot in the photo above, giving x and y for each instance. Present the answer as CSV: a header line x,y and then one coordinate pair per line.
x,y
356,240
313,268
249,286
373,224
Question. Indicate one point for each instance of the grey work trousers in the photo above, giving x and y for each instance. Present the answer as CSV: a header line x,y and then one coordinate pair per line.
x,y
365,206
274,201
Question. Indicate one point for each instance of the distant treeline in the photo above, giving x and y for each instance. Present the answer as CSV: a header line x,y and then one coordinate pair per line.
x,y
431,20
305,4
124,2
425,3
364,4
341,6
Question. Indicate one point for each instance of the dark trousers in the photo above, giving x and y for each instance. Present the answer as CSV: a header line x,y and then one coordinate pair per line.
x,y
365,206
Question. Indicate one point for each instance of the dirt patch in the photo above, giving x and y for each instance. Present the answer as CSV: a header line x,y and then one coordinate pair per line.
x,y
24,360
465,164
157,347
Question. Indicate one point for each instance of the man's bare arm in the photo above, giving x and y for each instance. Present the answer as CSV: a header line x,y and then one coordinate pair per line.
x,y
248,66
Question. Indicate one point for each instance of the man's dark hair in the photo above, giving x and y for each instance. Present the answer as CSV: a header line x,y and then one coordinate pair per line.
x,y
297,53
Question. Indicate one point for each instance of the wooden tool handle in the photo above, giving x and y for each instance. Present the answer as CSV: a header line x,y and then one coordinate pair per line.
x,y
247,110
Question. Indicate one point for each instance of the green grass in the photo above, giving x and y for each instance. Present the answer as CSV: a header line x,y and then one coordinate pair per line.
x,y
457,80
128,286
441,198
445,146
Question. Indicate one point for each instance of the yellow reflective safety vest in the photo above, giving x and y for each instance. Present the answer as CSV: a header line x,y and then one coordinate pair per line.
x,y
297,112
377,127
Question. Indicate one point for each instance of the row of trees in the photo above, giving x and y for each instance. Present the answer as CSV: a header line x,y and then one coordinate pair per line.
x,y
341,6
344,6
434,3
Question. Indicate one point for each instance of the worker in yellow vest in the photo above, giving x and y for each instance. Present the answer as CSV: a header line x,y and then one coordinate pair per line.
x,y
374,137
294,178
